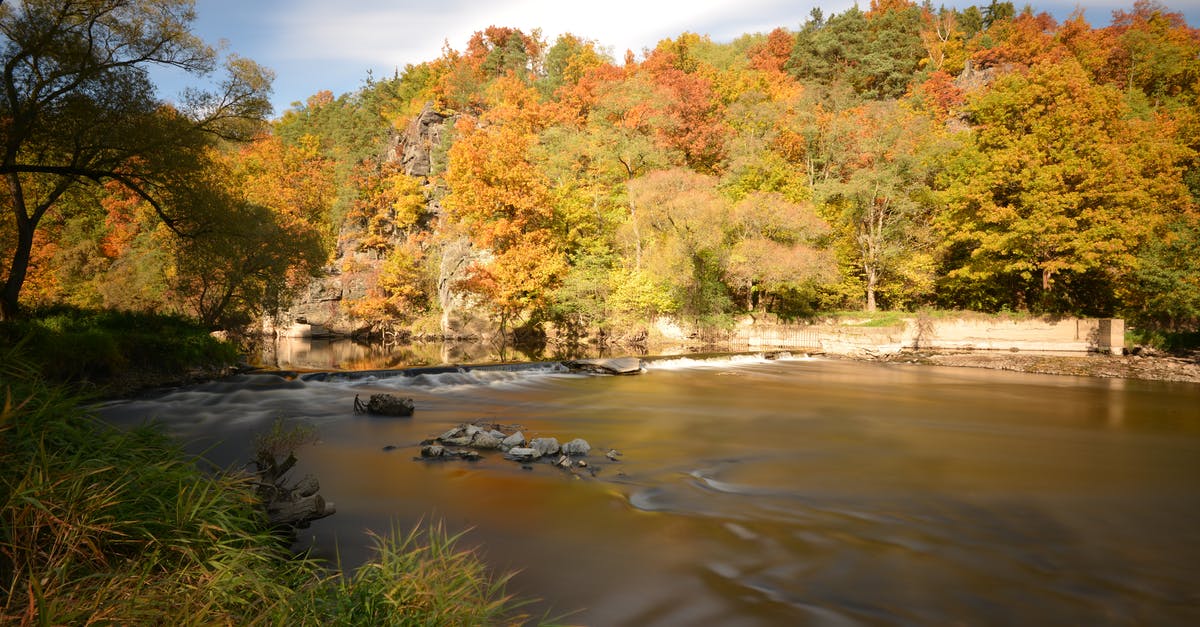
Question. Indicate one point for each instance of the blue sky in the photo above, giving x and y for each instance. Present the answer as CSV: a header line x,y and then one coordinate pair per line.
x,y
322,44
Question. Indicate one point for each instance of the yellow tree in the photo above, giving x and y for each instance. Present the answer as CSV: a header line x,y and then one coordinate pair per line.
x,y
1048,204
503,202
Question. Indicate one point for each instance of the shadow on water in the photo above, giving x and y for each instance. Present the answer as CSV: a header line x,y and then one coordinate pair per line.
x,y
350,354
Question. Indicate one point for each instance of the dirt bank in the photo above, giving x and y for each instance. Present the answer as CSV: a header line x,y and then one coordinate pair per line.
x,y
1154,368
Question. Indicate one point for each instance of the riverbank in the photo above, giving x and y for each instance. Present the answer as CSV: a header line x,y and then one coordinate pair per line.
x,y
1147,367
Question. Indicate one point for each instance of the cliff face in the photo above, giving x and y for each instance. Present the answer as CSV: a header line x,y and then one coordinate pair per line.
x,y
328,301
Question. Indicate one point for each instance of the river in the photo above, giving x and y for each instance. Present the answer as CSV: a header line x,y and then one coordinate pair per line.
x,y
751,491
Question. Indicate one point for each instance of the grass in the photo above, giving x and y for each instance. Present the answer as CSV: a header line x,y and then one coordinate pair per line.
x,y
101,346
99,525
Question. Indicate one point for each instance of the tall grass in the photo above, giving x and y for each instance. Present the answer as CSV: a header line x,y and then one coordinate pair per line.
x,y
99,525
74,344
417,578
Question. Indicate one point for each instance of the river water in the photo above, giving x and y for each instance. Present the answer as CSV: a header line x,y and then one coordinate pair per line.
x,y
751,491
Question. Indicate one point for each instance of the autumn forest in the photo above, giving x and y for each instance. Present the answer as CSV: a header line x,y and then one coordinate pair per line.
x,y
895,157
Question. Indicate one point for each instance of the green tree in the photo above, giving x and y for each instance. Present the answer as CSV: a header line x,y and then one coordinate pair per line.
x,y
879,200
77,107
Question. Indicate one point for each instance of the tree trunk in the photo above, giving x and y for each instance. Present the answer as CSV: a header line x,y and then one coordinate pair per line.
x,y
10,297
872,279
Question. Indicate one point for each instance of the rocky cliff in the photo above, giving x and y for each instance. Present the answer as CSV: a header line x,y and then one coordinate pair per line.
x,y
327,303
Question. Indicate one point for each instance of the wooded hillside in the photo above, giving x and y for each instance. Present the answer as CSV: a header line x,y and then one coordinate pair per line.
x,y
895,158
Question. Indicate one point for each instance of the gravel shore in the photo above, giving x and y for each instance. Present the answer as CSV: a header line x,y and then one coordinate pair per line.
x,y
1149,367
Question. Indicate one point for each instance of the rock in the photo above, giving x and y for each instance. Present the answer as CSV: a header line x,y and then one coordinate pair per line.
x,y
499,435
453,433
390,447
384,405
461,440
472,430
583,463
612,455
516,439
432,450
544,446
521,454
563,462
485,441
617,365
578,446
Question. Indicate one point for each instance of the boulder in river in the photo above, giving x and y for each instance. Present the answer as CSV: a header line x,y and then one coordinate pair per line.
x,y
521,454
578,446
514,440
611,365
544,446
384,405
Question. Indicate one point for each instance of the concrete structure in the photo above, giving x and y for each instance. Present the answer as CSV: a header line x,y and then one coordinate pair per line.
x,y
1033,334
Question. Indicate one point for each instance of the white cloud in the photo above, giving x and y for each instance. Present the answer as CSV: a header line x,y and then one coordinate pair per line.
x,y
390,33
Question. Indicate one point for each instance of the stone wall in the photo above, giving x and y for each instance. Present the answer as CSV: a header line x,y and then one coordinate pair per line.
x,y
1036,334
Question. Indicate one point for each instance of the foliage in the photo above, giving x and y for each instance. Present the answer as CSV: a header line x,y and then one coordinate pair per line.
x,y
982,157
1054,193
77,107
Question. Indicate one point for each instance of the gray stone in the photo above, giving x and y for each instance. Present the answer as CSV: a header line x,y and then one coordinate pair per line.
x,y
544,446
459,441
578,446
472,430
499,435
521,454
453,433
485,441
516,439
432,450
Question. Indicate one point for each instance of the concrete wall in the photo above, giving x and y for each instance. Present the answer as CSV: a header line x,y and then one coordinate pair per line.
x,y
1039,334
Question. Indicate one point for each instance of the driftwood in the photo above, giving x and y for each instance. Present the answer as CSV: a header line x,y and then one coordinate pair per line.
x,y
384,405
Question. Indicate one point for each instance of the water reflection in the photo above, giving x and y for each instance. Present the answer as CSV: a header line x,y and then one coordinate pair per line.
x,y
756,492
348,354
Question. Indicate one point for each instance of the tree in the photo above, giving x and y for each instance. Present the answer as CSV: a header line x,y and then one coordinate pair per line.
x,y
254,251
77,107
878,196
1056,192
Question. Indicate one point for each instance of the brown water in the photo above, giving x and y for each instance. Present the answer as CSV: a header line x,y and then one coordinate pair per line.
x,y
756,492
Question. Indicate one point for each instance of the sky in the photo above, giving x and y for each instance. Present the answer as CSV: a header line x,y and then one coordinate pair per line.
x,y
313,45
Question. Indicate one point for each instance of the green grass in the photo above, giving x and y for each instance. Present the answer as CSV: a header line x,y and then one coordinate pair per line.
x,y
104,346
99,525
